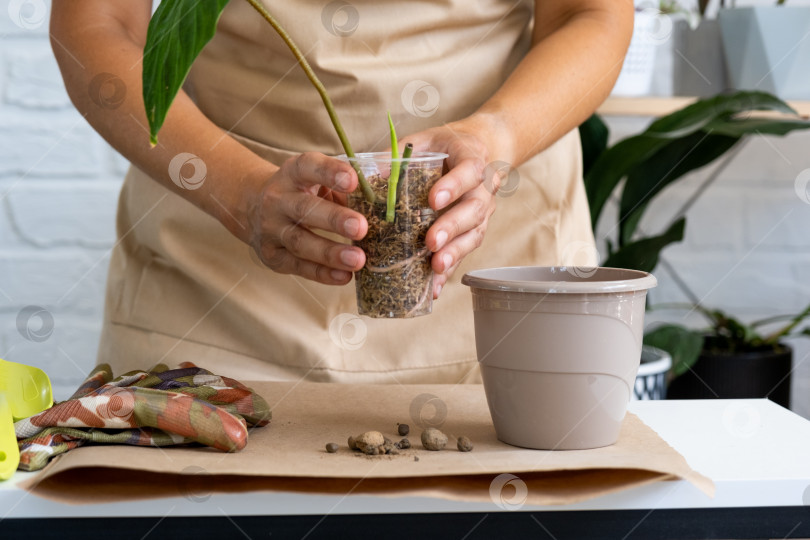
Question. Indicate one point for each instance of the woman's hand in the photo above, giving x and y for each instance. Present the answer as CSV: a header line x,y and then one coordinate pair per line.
x,y
469,200
308,192
273,209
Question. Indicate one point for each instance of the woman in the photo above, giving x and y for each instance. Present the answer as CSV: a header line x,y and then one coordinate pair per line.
x,y
242,165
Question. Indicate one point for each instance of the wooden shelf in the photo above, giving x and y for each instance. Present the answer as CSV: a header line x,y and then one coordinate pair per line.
x,y
661,106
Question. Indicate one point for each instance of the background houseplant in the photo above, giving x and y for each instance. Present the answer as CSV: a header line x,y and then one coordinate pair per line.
x,y
648,162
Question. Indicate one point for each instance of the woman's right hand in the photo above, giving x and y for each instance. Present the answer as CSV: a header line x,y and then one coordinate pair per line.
x,y
308,192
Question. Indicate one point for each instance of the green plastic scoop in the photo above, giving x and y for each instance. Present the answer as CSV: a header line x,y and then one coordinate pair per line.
x,y
9,451
24,391
27,389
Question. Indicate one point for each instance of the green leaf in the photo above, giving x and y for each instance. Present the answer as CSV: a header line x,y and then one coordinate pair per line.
x,y
669,163
393,178
593,134
762,126
682,344
643,254
177,33
714,115
612,166
701,113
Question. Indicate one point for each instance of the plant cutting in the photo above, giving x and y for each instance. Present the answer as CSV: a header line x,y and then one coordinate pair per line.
x,y
397,280
393,188
646,163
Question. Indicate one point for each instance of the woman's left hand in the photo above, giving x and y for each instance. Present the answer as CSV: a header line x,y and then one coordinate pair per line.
x,y
471,201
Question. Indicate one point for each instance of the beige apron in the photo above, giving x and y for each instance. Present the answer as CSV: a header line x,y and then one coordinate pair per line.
x,y
182,288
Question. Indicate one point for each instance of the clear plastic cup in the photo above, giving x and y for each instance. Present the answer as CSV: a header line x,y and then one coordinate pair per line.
x,y
397,280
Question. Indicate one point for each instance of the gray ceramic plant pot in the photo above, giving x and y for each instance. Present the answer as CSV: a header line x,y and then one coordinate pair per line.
x,y
558,349
698,63
766,49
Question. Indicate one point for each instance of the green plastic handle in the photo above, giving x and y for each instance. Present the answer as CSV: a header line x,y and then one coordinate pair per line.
x,y
27,389
9,451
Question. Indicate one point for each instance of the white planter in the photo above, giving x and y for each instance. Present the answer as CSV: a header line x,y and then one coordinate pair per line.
x,y
651,380
636,77
768,49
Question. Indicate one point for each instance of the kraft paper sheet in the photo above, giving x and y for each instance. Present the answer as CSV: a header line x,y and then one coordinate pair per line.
x,y
289,454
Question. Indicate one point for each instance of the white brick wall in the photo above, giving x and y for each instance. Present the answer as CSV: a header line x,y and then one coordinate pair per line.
x,y
747,244
59,183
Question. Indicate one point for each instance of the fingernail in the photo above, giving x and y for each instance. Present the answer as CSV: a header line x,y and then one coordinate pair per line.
x,y
342,180
447,259
349,258
351,226
441,238
338,275
442,198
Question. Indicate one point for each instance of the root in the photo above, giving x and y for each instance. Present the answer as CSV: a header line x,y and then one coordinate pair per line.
x,y
421,301
385,269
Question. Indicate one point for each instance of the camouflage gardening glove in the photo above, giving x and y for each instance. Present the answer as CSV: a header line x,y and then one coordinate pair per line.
x,y
161,407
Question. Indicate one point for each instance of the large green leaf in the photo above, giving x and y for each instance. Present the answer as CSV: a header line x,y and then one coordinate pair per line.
x,y
612,166
762,126
717,116
682,344
593,134
669,163
643,254
701,113
177,33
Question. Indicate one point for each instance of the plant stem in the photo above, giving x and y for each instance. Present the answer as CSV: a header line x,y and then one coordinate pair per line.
x,y
770,320
302,61
403,170
779,334
393,178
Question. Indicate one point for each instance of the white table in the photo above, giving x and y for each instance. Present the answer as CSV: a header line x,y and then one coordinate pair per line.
x,y
757,453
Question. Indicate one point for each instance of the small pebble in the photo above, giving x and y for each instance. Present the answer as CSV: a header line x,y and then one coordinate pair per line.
x,y
404,444
403,429
352,444
433,439
464,444
332,447
416,458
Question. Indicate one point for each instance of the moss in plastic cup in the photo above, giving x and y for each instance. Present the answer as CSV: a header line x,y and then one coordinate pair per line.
x,y
397,280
